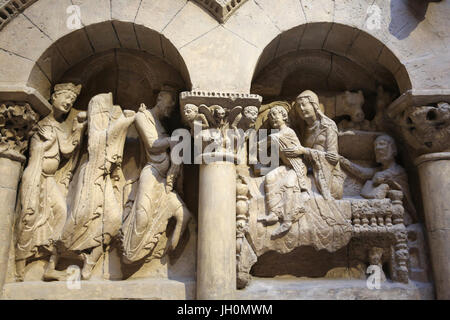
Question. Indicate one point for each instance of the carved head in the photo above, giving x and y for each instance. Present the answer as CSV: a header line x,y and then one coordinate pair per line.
x,y
278,116
307,105
251,113
385,148
219,112
166,101
190,111
64,97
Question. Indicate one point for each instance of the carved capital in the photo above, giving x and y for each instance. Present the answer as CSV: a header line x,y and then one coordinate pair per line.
x,y
16,123
219,121
426,128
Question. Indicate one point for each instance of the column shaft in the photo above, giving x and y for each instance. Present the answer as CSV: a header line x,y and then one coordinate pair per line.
x,y
434,172
216,261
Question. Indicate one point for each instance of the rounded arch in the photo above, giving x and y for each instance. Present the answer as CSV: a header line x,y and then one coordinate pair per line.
x,y
330,56
78,49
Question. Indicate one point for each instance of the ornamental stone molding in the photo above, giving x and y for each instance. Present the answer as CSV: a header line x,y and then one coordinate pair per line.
x,y
221,9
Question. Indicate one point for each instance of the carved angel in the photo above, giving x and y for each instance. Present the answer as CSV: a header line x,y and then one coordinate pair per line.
x,y
194,118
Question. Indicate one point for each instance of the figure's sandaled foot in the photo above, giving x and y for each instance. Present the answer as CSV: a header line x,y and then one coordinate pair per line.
x,y
282,229
270,219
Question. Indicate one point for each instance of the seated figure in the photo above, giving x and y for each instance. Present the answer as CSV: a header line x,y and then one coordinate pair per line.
x,y
286,186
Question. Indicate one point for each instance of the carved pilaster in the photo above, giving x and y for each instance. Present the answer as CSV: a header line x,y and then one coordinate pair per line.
x,y
16,123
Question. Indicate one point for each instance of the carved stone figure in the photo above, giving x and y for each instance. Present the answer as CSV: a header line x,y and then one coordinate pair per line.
x,y
427,128
321,146
375,255
246,119
286,186
350,104
390,176
194,118
96,215
155,204
43,209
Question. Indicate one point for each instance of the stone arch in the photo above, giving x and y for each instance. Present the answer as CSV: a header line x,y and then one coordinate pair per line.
x,y
37,47
332,56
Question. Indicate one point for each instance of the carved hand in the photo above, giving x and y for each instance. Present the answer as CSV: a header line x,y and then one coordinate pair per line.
x,y
379,178
45,132
294,152
332,158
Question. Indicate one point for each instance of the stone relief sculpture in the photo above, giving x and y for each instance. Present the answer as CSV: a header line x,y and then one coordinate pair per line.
x,y
311,210
426,128
390,176
16,126
321,146
350,104
96,215
156,203
43,210
193,117
286,186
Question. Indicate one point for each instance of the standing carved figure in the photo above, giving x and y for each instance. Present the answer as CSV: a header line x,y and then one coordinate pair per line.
x,y
96,215
155,203
43,209
321,146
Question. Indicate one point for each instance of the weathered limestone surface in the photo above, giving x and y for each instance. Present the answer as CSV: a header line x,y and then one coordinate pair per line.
x,y
216,265
146,289
434,185
296,289
408,37
339,187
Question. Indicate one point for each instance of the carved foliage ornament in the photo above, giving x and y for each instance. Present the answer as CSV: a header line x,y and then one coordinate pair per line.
x,y
16,123
221,9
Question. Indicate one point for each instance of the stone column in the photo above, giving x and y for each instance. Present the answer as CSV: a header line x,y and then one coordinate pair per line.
x,y
426,130
16,121
434,173
216,249
216,260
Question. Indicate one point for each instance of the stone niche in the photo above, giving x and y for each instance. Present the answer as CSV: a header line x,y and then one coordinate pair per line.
x,y
133,78
354,91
